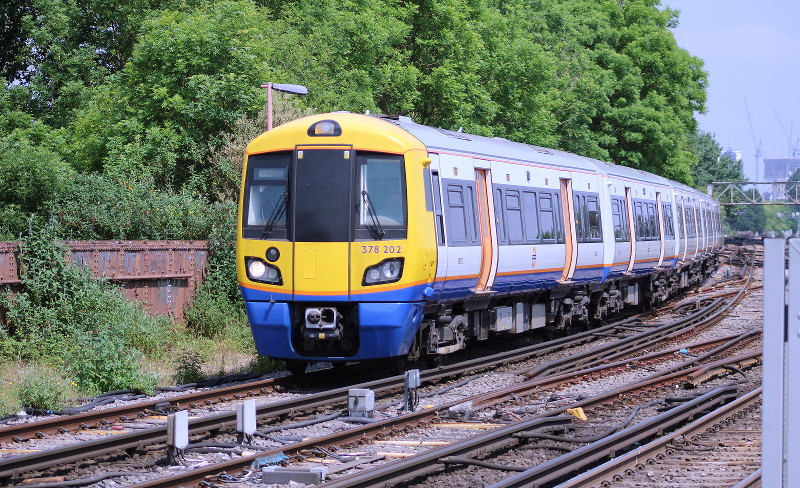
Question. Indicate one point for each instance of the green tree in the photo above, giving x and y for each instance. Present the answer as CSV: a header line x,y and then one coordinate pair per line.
x,y
60,49
712,164
189,77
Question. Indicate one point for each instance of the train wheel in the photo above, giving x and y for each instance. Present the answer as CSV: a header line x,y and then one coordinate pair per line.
x,y
297,368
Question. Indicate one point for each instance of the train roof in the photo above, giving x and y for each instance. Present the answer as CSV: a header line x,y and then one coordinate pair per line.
x,y
443,140
436,139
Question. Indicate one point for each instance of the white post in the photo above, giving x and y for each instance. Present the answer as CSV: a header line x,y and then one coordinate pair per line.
x,y
781,396
792,361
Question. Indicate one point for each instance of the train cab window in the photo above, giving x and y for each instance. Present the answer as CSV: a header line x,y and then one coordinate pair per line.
x,y
266,197
619,217
382,184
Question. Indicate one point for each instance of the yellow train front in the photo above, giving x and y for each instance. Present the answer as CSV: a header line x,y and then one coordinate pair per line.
x,y
335,248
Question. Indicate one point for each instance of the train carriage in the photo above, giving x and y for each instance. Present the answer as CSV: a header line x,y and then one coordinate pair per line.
x,y
369,237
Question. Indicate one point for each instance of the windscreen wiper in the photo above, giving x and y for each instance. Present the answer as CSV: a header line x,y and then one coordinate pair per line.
x,y
375,229
277,212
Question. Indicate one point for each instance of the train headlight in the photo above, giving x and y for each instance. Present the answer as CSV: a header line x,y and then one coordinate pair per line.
x,y
325,128
258,270
387,271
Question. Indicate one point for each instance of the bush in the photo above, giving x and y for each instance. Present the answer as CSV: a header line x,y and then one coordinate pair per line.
x,y
217,310
45,388
103,363
104,207
66,315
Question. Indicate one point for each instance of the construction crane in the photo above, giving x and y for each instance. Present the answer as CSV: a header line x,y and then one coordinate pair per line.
x,y
793,146
753,133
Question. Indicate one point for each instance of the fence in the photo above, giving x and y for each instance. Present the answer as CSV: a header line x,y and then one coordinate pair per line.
x,y
163,274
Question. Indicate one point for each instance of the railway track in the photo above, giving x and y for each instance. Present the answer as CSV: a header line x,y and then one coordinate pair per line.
x,y
615,349
723,448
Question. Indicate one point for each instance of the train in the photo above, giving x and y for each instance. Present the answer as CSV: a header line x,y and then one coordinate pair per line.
x,y
370,237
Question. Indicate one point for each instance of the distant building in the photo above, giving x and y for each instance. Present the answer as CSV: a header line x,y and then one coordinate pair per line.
x,y
780,169
735,155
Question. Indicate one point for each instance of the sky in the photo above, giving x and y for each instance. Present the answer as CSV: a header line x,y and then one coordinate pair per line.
x,y
751,50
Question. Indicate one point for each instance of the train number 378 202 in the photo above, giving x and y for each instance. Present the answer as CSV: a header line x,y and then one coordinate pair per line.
x,y
381,249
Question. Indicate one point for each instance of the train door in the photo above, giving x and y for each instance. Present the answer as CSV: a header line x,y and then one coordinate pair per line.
x,y
662,235
439,223
631,228
684,228
322,244
695,228
677,226
570,234
488,231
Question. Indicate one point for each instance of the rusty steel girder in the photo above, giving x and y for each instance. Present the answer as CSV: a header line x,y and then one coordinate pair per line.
x,y
164,275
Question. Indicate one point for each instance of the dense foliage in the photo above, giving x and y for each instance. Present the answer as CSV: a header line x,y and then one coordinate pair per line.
x,y
63,315
150,89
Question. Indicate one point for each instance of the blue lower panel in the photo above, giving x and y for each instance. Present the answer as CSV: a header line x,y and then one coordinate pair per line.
x,y
385,330
271,325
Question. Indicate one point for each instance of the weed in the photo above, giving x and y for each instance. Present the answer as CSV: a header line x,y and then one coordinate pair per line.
x,y
263,365
188,368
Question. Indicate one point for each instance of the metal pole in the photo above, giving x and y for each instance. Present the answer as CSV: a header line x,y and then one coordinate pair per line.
x,y
792,361
773,418
269,106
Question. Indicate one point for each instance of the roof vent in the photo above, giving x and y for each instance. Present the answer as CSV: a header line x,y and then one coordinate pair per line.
x,y
454,135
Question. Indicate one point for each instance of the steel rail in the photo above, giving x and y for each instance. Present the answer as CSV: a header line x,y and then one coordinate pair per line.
x,y
97,418
624,345
630,460
706,370
571,462
14,466
752,481
431,461
200,474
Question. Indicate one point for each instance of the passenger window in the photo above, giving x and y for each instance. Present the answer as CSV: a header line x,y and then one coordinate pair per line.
x,y
641,222
619,219
547,229
456,215
594,224
652,225
437,208
499,217
472,215
529,210
514,217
